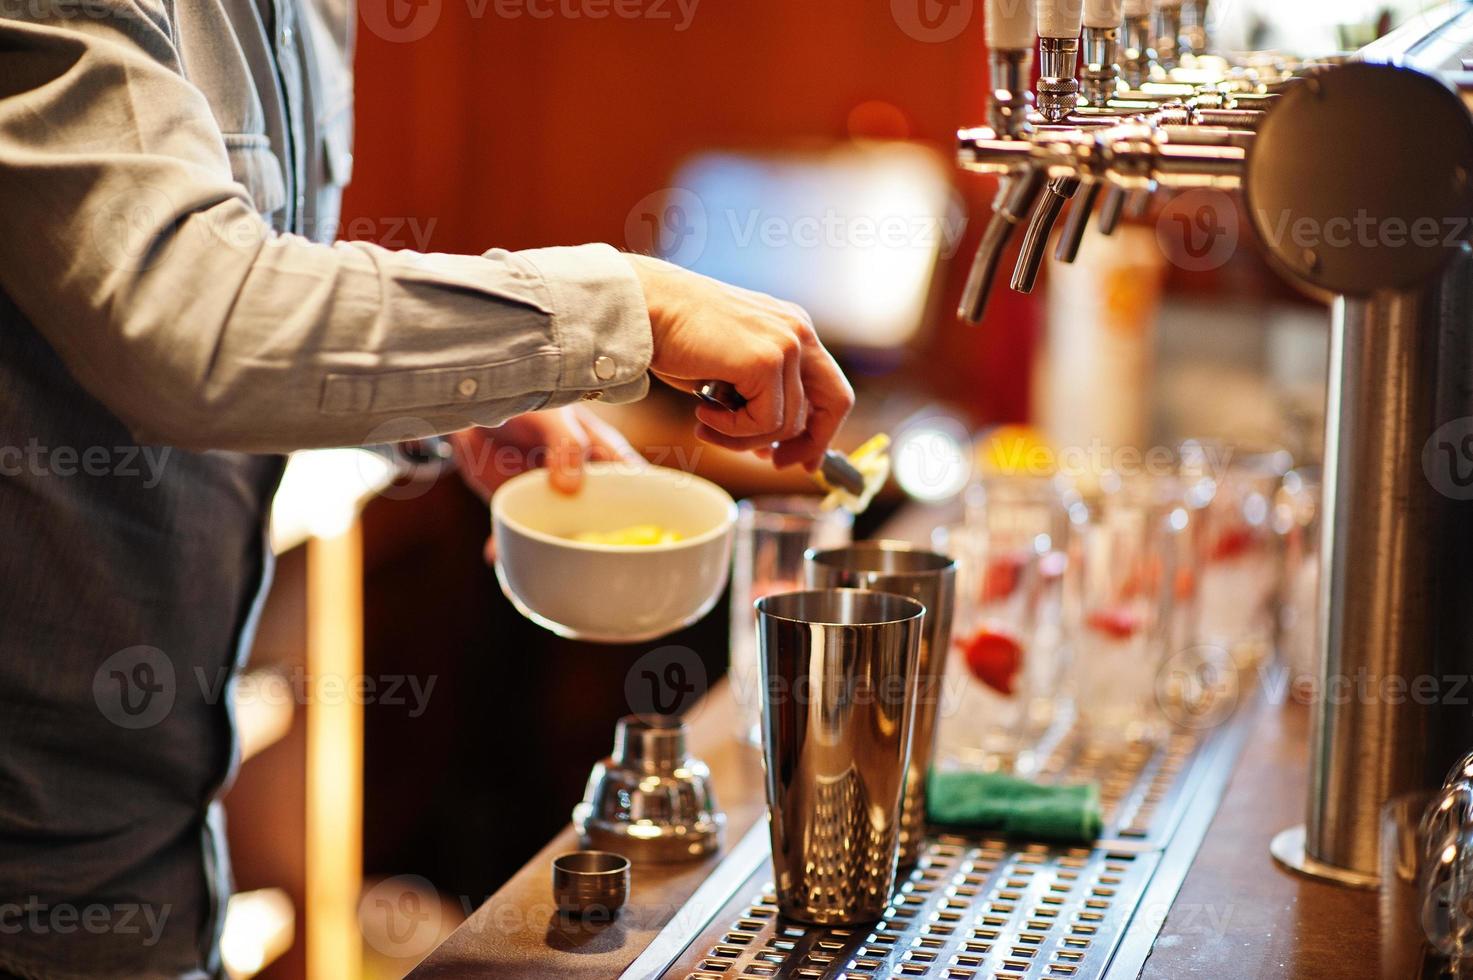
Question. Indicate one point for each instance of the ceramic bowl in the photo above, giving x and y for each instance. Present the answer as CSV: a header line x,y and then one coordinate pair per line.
x,y
613,593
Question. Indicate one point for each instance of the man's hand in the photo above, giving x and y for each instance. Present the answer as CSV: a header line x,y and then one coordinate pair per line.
x,y
561,440
705,330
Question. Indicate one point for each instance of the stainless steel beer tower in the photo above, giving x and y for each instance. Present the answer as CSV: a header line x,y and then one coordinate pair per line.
x,y
1358,181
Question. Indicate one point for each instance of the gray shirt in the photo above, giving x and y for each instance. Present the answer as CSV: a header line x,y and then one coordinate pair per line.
x,y
171,311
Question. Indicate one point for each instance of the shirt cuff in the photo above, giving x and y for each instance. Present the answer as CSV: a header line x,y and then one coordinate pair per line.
x,y
600,323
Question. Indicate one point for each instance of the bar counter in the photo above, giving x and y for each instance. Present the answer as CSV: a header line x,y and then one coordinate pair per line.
x,y
1236,914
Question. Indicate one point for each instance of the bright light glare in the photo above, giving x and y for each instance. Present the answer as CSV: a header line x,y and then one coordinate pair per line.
x,y
933,460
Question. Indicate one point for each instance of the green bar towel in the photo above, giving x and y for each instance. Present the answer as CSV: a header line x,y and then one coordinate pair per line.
x,y
1006,804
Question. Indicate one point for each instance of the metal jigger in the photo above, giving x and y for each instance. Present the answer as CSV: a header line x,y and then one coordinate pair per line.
x,y
650,800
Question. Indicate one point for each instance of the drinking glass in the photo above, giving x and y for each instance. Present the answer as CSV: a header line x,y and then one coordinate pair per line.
x,y
1240,560
1120,585
1025,515
772,535
996,670
1297,523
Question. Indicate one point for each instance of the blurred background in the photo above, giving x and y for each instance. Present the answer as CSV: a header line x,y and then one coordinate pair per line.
x,y
804,148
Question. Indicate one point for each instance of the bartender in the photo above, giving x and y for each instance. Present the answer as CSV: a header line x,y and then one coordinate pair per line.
x,y
173,316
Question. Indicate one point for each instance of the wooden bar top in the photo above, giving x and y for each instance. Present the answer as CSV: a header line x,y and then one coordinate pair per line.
x,y
1238,914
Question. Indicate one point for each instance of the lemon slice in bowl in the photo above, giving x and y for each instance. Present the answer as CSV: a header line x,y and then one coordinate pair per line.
x,y
636,535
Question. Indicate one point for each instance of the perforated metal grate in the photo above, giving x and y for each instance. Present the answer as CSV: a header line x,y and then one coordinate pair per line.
x,y
985,907
1138,781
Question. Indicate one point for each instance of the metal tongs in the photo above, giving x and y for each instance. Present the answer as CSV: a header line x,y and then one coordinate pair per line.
x,y
836,468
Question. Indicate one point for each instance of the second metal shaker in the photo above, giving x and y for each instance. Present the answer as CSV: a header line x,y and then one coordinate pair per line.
x,y
929,578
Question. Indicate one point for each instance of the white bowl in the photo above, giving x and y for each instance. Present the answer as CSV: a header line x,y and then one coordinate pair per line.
x,y
612,593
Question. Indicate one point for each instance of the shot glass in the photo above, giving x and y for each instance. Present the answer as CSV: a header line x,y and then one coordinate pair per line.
x,y
838,671
772,535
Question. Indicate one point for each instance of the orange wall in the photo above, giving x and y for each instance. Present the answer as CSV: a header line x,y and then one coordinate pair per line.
x,y
511,130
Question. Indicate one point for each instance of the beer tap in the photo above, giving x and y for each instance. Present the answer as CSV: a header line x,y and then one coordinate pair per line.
x,y
1058,56
1138,62
1167,25
1112,204
1193,36
1010,37
1101,75
1115,147
1010,34
1059,22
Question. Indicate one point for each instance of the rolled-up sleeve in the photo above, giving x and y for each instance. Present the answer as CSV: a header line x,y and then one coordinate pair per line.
x,y
125,240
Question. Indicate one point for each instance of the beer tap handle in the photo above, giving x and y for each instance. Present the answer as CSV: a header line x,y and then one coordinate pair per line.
x,y
1194,40
1059,23
1138,62
1040,225
1104,13
1010,37
1015,198
1168,33
1072,234
1101,73
1010,24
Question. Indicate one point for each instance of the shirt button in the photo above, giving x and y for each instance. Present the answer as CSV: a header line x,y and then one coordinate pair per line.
x,y
467,387
603,368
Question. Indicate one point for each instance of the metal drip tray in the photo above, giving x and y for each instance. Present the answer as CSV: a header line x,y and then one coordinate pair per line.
x,y
970,909
1140,783
981,906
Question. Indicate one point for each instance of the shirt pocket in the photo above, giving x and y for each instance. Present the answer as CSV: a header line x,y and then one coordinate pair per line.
x,y
255,167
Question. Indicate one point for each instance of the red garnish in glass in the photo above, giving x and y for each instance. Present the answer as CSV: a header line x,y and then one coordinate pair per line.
x,y
1001,578
1120,624
1232,543
994,657
1143,580
1186,583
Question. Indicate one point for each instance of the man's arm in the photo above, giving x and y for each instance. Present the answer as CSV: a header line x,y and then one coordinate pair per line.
x,y
124,239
